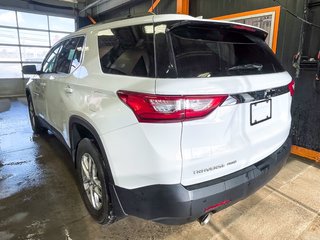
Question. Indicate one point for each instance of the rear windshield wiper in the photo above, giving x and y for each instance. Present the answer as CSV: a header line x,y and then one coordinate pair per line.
x,y
246,67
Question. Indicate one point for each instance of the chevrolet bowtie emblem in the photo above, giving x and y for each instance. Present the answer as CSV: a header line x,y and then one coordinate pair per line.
x,y
268,93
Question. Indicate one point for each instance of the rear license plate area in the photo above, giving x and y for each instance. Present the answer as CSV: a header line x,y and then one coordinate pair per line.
x,y
260,111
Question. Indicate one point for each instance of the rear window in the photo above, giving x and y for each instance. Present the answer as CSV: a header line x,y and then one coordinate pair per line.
x,y
207,51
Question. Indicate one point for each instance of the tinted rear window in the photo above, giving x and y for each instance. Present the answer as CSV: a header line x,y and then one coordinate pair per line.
x,y
205,51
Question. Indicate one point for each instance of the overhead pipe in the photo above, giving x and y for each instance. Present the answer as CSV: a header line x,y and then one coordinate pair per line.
x,y
153,6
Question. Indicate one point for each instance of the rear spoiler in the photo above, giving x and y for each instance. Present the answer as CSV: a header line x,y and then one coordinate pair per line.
x,y
246,29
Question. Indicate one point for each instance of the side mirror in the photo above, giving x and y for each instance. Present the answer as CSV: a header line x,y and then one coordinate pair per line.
x,y
29,69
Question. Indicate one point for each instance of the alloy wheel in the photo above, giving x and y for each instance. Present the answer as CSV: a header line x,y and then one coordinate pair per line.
x,y
91,181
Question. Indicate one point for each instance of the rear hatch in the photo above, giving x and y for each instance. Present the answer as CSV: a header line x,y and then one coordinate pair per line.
x,y
253,116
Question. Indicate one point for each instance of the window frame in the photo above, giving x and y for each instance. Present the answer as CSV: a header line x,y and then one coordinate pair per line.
x,y
62,41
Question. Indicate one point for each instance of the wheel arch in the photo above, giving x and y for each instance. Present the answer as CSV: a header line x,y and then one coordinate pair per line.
x,y
74,123
80,128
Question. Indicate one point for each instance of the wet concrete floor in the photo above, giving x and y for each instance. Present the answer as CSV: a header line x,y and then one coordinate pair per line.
x,y
39,198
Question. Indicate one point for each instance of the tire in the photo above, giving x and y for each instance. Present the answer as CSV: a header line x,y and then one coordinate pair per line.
x,y
35,124
92,183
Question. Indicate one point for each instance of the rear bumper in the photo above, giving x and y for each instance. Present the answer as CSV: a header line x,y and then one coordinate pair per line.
x,y
177,204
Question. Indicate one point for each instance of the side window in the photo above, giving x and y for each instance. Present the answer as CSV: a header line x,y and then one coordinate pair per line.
x,y
48,65
77,55
127,51
69,57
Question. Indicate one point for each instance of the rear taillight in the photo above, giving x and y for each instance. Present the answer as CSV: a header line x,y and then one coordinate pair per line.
x,y
168,108
291,87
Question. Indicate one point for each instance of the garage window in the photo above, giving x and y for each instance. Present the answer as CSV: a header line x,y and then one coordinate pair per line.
x,y
25,38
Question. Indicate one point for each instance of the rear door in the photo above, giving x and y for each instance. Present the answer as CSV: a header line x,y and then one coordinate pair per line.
x,y
208,59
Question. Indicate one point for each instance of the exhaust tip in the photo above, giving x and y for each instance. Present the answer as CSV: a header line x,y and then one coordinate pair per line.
x,y
205,219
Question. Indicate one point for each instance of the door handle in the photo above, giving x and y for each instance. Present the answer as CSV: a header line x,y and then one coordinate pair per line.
x,y
43,84
68,89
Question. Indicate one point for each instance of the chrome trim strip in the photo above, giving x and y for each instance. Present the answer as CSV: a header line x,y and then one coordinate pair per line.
x,y
255,95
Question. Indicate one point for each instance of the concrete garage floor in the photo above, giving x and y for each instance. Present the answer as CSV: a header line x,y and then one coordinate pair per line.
x,y
39,198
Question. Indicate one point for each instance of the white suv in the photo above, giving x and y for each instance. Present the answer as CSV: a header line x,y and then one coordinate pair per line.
x,y
167,117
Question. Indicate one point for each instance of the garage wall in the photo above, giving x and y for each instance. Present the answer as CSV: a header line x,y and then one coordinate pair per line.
x,y
313,39
12,87
306,104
